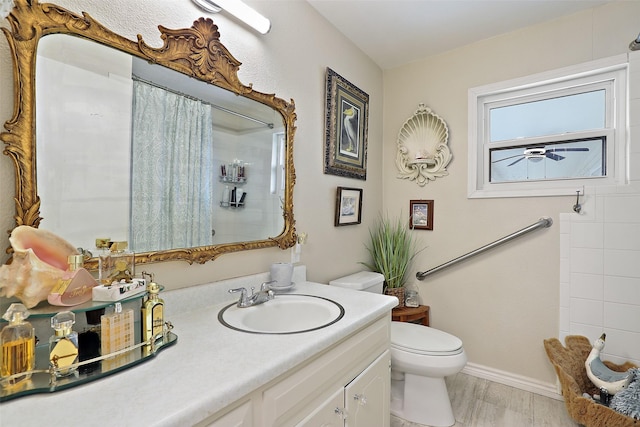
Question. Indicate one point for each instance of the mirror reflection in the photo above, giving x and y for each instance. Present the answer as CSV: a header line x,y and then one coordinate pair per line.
x,y
134,151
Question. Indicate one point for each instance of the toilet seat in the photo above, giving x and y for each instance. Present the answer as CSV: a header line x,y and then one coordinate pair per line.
x,y
418,339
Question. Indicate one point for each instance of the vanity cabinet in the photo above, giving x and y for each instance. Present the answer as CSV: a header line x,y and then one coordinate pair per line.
x,y
364,402
346,385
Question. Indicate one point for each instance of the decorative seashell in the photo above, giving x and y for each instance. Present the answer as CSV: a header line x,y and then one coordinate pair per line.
x,y
423,133
40,258
423,153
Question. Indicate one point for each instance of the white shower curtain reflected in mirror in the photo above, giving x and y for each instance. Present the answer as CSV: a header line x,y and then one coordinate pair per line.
x,y
172,176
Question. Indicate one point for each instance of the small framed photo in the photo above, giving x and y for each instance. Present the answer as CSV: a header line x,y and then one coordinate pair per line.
x,y
348,206
346,128
421,214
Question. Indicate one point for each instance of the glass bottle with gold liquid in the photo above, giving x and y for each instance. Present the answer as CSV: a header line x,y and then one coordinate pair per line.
x,y
18,342
63,345
152,313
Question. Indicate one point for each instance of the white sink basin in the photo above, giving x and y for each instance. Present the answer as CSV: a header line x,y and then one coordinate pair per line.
x,y
285,314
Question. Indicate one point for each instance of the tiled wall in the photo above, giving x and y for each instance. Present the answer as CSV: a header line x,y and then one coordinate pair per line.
x,y
600,256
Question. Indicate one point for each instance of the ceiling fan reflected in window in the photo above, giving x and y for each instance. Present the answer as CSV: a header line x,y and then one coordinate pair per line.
x,y
536,154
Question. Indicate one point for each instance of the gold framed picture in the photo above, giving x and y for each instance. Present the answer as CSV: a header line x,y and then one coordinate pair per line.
x,y
346,128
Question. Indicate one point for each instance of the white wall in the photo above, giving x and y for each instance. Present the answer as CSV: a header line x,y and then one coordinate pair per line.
x,y
505,302
94,186
291,62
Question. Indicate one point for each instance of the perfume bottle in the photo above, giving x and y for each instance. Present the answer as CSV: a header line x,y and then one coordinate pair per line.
x,y
75,286
117,330
152,313
116,265
18,343
101,251
89,341
63,345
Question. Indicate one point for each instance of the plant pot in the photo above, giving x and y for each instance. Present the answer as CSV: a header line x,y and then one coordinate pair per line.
x,y
396,292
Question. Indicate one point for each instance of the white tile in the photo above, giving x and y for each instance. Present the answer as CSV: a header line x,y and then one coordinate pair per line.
x,y
587,235
563,334
622,289
585,260
565,223
565,294
565,245
620,360
622,208
621,263
590,331
565,269
625,317
589,286
564,318
621,235
586,311
623,344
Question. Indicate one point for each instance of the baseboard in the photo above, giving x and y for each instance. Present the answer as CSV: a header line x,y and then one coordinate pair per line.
x,y
513,380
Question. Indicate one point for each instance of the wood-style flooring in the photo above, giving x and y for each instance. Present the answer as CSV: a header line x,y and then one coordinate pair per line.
x,y
478,402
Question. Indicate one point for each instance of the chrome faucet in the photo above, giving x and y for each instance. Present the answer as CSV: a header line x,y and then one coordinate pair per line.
x,y
263,295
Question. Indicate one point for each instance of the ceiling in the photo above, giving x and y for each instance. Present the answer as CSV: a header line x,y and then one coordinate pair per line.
x,y
396,32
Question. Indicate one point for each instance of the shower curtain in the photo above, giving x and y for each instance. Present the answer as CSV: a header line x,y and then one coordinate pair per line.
x,y
172,161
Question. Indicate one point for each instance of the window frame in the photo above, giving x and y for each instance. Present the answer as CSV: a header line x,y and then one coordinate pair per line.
x,y
609,73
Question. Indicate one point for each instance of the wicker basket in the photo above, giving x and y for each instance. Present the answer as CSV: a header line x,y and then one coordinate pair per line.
x,y
396,292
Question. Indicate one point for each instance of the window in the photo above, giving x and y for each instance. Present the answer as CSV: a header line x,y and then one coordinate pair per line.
x,y
549,134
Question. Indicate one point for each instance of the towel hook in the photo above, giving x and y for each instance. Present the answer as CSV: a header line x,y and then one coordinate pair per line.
x,y
577,207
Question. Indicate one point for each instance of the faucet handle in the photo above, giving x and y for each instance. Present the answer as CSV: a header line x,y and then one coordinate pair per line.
x,y
265,285
243,293
243,301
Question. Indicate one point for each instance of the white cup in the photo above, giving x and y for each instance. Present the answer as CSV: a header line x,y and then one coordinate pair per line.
x,y
281,273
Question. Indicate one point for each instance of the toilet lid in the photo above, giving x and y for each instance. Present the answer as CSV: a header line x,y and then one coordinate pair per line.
x,y
420,339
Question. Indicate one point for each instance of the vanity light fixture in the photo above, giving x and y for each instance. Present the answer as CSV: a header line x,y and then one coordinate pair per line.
x,y
240,10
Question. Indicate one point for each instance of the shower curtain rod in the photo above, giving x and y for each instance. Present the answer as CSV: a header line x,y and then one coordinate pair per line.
x,y
217,107
542,222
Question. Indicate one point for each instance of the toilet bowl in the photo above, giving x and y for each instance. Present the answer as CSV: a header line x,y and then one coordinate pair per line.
x,y
421,357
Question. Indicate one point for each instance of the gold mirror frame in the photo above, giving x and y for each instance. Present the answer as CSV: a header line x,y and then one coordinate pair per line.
x,y
195,51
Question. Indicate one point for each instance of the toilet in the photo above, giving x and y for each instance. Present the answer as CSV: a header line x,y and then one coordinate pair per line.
x,y
421,357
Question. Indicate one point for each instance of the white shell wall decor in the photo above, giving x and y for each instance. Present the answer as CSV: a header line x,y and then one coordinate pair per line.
x,y
423,153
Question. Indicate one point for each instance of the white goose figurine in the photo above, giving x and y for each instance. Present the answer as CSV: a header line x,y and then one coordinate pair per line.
x,y
602,376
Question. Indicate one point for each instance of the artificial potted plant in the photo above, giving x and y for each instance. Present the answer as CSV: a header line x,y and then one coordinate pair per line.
x,y
392,247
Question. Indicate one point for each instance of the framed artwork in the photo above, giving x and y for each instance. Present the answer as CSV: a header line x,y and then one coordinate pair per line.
x,y
421,214
346,128
348,206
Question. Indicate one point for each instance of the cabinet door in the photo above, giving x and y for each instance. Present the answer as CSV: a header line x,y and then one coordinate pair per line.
x,y
242,416
329,414
367,396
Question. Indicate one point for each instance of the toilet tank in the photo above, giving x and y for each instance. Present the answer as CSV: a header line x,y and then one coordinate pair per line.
x,y
368,281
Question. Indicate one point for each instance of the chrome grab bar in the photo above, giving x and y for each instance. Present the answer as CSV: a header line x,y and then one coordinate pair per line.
x,y
542,222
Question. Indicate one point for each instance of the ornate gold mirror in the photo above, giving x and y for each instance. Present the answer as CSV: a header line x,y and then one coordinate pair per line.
x,y
254,157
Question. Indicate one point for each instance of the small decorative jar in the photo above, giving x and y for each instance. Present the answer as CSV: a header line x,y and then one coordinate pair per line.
x,y
411,298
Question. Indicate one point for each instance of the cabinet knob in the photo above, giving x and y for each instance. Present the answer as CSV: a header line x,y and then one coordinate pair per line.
x,y
341,413
360,398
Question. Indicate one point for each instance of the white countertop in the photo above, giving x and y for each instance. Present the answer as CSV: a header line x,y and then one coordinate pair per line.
x,y
210,367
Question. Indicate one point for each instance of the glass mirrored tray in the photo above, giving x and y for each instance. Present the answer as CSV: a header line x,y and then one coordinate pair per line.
x,y
44,380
